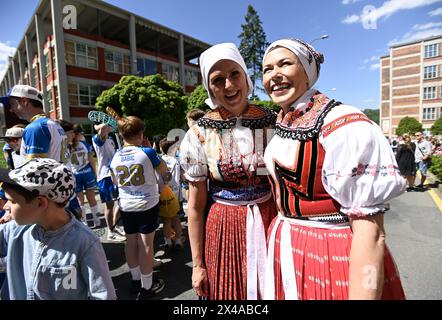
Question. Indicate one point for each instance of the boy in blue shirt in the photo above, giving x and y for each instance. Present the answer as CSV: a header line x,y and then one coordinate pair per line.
x,y
50,255
43,137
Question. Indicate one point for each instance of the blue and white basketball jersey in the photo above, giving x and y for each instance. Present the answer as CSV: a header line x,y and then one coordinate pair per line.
x,y
134,170
80,156
105,150
44,138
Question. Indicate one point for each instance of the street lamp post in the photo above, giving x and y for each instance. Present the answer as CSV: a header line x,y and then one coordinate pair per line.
x,y
325,36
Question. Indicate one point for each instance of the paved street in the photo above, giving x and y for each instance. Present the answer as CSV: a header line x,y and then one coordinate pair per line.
x,y
414,236
176,269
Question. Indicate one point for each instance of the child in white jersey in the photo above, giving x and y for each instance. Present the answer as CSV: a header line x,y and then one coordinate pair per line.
x,y
105,149
83,167
133,170
172,225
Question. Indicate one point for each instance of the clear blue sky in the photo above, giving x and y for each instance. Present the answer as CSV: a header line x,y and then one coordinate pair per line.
x,y
351,51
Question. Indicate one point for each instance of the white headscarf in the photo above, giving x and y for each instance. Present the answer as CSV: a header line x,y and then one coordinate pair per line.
x,y
222,51
310,59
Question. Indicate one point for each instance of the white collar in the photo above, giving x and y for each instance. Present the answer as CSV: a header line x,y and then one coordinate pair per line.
x,y
303,100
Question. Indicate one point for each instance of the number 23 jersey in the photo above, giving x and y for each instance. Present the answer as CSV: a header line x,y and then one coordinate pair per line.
x,y
134,171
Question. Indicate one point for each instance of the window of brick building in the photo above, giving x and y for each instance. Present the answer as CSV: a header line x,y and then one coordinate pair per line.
x,y
429,93
34,77
430,50
429,114
82,94
191,78
171,73
49,100
146,67
47,65
117,62
80,55
430,72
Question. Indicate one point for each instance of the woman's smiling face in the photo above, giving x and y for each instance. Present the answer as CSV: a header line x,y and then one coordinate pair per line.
x,y
228,85
284,77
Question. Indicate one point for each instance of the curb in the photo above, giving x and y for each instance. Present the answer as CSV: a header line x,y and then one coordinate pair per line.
x,y
435,190
432,179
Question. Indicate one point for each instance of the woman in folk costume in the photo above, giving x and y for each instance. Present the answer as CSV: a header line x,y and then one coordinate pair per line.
x,y
229,214
332,173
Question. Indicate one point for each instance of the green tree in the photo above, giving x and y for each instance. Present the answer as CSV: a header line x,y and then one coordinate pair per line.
x,y
436,128
253,44
160,103
197,99
408,125
372,114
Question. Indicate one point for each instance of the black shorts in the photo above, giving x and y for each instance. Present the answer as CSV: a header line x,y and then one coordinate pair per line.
x,y
141,221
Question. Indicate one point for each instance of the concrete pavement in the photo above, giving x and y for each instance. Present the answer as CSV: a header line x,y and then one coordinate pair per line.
x,y
414,236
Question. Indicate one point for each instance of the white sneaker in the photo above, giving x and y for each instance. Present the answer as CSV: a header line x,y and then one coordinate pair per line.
x,y
120,230
113,236
157,263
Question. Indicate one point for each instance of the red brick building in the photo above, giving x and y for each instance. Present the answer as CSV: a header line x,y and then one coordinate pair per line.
x,y
411,83
73,66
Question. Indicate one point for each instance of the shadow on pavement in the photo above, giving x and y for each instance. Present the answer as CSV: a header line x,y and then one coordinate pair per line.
x,y
176,269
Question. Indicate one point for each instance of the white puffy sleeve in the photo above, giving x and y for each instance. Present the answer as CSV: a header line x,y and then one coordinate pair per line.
x,y
193,158
359,170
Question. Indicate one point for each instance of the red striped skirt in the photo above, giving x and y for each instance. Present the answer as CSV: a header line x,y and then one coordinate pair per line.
x,y
321,264
225,248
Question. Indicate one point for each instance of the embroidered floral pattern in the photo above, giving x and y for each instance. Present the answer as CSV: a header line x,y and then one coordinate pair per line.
x,y
374,169
305,124
256,117
367,169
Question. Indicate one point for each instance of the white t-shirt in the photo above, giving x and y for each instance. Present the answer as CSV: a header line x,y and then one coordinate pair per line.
x,y
134,170
105,150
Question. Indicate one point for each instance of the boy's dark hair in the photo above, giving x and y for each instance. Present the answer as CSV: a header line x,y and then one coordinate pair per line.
x,y
156,142
195,114
78,128
130,126
25,193
66,125
165,145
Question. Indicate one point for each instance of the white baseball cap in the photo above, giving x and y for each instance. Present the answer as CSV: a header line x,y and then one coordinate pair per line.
x,y
13,132
22,91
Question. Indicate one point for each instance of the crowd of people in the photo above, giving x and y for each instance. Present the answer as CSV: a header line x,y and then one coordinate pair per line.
x,y
298,215
413,154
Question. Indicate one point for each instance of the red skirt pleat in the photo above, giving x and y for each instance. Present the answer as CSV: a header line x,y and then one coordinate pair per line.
x,y
225,249
321,262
